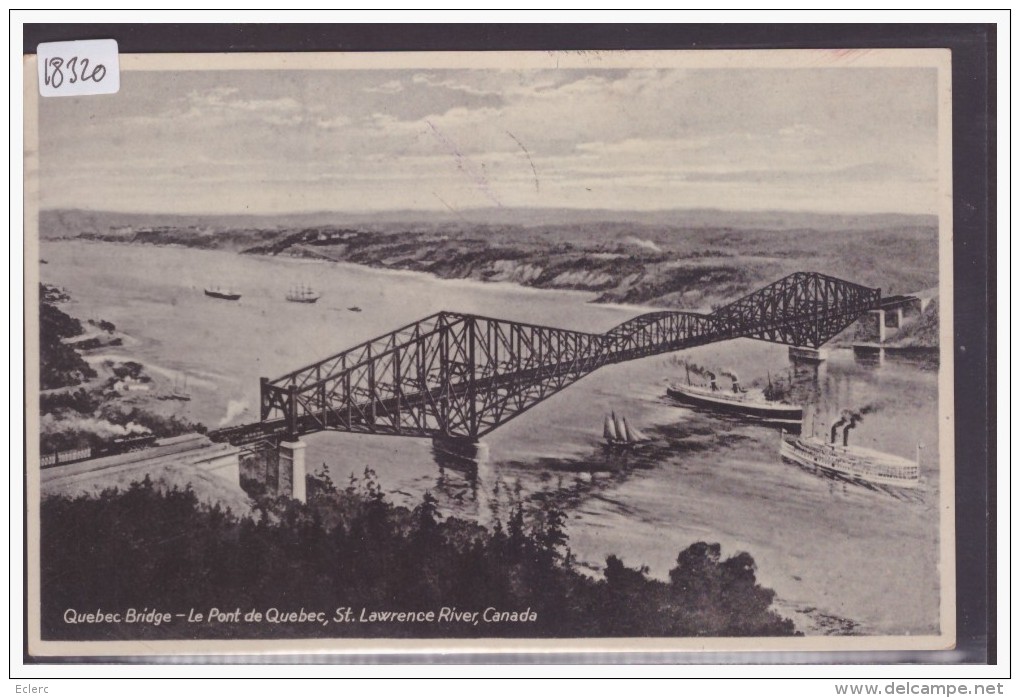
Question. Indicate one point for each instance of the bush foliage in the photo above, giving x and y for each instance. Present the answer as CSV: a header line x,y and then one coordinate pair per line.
x,y
144,548
60,364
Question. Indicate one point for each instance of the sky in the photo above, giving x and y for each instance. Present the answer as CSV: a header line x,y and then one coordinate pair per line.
x,y
856,140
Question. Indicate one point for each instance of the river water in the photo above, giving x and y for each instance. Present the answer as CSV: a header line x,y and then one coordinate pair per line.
x,y
840,557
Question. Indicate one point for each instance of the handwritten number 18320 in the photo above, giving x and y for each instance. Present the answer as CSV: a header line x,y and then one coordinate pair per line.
x,y
56,70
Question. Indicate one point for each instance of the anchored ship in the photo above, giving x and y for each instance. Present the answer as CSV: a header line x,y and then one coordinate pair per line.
x,y
738,400
851,462
302,294
617,433
222,293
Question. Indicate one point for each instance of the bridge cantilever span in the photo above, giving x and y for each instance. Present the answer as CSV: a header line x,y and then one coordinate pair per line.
x,y
458,375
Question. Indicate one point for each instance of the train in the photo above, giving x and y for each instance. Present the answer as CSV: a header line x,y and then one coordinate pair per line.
x,y
114,447
124,444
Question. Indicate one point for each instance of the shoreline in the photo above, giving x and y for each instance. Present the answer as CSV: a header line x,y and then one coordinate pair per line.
x,y
679,265
614,277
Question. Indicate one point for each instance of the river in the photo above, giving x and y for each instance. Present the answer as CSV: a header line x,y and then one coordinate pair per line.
x,y
840,557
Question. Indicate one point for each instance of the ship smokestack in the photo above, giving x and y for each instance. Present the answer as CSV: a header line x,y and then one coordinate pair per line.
x,y
835,427
733,377
846,430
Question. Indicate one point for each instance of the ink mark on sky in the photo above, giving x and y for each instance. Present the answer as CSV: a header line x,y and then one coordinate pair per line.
x,y
452,209
528,155
465,165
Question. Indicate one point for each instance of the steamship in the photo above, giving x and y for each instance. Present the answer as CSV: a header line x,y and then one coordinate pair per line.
x,y
851,462
222,293
737,400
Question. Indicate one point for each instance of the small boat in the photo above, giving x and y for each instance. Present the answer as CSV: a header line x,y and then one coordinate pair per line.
x,y
736,401
618,434
853,463
302,294
222,293
354,309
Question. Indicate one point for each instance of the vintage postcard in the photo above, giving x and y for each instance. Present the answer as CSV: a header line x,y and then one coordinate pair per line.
x,y
420,352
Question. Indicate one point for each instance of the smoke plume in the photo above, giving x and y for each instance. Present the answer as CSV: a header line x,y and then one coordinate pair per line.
x,y
647,244
857,415
694,368
91,425
235,408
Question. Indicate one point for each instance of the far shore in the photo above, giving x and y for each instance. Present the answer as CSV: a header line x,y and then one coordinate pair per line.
x,y
685,260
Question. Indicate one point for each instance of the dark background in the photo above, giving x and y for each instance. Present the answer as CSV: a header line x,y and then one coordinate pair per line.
x,y
973,67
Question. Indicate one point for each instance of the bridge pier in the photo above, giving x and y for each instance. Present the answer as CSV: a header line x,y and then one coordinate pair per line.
x,y
881,325
808,355
888,319
292,469
274,469
459,451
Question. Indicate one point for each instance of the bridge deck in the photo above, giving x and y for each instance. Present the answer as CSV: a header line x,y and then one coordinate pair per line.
x,y
463,375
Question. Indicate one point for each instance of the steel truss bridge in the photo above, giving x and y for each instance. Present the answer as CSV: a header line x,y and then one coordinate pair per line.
x,y
456,376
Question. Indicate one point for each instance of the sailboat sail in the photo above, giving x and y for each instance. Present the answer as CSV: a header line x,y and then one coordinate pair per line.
x,y
626,433
609,430
621,429
302,294
618,433
636,435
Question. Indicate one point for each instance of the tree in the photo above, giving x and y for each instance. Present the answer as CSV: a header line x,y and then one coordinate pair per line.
x,y
426,517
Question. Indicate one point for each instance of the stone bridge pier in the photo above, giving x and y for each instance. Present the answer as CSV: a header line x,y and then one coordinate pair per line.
x,y
275,469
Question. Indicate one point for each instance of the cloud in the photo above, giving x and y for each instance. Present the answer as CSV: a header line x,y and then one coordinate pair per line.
x,y
391,87
800,132
221,98
333,122
641,138
449,84
223,105
645,147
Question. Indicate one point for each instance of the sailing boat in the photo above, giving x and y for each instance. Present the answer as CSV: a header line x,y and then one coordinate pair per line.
x,y
617,433
302,294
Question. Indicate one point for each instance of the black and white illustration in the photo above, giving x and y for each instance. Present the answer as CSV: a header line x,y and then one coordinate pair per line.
x,y
642,347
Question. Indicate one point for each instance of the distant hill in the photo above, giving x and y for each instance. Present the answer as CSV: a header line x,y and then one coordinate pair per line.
x,y
56,223
682,259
